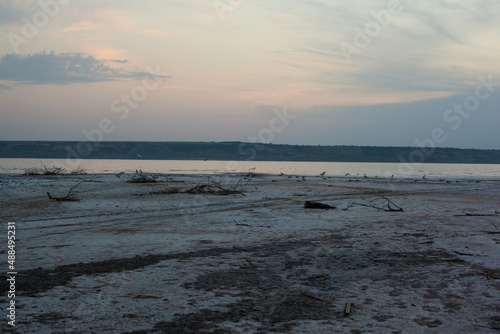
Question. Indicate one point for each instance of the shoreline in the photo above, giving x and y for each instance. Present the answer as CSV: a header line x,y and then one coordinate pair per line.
x,y
273,176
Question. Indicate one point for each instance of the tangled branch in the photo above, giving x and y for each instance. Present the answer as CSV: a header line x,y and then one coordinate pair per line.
x,y
388,206
54,170
216,188
70,196
141,177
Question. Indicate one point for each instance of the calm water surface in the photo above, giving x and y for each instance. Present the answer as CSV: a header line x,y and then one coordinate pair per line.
x,y
461,171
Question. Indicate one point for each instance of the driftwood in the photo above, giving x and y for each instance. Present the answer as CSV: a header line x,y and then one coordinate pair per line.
x,y
478,215
46,170
348,308
70,197
466,254
389,206
242,224
140,177
216,188
53,170
308,295
212,187
317,205
32,171
493,232
79,171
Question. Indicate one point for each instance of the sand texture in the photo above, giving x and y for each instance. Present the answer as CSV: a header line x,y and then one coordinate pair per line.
x,y
150,258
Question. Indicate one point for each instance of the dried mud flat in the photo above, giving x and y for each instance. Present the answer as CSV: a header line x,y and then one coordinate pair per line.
x,y
140,258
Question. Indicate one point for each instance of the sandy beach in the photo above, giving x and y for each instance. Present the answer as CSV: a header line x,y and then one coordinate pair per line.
x,y
151,258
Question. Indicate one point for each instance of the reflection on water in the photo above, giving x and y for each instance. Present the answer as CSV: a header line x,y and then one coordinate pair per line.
x,y
347,169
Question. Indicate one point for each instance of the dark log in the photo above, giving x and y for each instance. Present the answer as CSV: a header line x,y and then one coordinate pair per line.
x,y
317,205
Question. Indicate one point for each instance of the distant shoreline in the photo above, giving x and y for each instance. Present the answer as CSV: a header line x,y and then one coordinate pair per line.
x,y
241,151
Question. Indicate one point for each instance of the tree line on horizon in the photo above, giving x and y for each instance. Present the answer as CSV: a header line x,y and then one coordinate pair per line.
x,y
240,151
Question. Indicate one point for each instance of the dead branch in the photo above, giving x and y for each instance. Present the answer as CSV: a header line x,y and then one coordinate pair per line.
x,y
141,177
45,171
248,225
70,196
478,215
390,206
241,184
241,224
216,188
465,254
32,171
493,232
79,171
308,295
53,170
389,202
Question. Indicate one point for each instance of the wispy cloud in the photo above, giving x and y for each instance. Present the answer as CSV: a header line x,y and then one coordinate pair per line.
x,y
430,46
8,13
119,61
100,17
63,68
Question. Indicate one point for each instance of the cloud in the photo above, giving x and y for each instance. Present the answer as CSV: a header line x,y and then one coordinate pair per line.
x,y
63,68
8,13
429,46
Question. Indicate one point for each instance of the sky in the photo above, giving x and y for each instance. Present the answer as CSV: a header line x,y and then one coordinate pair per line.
x,y
322,72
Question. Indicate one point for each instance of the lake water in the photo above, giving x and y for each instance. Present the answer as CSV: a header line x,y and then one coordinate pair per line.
x,y
381,170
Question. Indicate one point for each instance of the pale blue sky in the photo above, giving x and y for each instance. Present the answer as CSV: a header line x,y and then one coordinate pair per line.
x,y
221,73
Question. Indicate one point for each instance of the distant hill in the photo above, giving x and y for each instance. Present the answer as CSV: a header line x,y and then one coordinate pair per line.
x,y
239,151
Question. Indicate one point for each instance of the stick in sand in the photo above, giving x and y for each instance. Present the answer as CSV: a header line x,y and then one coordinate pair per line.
x,y
348,306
